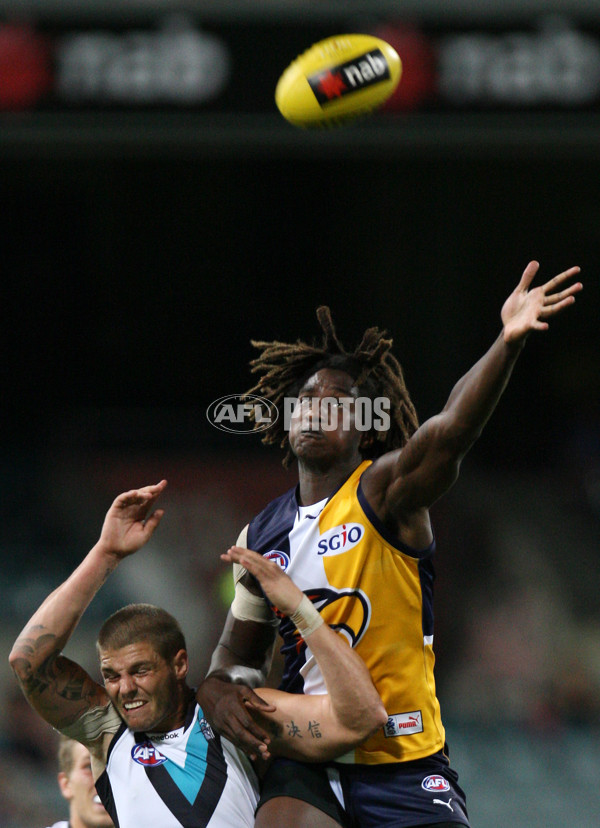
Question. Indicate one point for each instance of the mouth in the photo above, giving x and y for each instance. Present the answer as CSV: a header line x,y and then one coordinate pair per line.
x,y
129,707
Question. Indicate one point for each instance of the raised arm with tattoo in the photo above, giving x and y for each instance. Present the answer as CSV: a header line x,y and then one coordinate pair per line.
x,y
70,700
60,690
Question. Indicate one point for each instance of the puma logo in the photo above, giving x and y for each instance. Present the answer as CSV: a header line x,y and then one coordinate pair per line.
x,y
441,802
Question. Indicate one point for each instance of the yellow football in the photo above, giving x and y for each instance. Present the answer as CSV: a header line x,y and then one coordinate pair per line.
x,y
338,79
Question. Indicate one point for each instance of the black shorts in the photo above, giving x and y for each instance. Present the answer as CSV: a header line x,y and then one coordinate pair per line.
x,y
308,782
422,792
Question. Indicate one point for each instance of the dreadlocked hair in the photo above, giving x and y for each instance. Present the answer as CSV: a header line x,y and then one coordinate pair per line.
x,y
284,367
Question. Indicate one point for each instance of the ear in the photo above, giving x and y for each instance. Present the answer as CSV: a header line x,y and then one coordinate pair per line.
x,y
181,664
65,785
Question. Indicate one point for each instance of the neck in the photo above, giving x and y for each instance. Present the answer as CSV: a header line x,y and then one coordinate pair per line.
x,y
314,485
187,695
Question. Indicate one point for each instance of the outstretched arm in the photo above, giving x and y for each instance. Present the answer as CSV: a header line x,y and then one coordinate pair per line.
x,y
60,690
316,727
414,477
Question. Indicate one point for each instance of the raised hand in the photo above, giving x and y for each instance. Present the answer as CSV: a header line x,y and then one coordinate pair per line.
x,y
131,521
528,310
278,587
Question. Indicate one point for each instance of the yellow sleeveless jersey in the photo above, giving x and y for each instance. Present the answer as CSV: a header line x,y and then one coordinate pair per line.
x,y
374,590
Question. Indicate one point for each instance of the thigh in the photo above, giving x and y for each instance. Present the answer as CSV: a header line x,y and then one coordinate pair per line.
x,y
287,812
298,795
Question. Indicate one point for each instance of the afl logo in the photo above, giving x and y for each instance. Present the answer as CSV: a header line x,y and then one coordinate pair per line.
x,y
242,413
340,538
147,755
279,557
435,784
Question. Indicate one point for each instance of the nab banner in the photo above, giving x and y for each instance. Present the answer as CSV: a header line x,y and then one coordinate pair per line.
x,y
190,62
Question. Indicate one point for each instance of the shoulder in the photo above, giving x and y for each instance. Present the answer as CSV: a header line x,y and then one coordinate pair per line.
x,y
276,516
377,477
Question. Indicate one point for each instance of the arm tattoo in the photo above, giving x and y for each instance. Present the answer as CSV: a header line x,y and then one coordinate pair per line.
x,y
49,680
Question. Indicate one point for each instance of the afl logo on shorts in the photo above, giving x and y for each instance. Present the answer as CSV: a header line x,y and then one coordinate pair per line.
x,y
435,784
279,557
147,755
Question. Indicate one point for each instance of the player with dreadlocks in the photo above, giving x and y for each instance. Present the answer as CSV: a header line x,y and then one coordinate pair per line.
x,y
376,371
356,537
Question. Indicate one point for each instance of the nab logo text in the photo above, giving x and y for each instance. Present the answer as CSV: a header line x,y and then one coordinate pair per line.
x,y
340,539
147,755
349,77
242,414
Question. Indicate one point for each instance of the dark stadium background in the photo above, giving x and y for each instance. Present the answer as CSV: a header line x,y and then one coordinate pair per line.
x,y
144,246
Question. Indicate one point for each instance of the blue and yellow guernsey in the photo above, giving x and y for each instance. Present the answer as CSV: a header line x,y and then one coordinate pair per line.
x,y
374,590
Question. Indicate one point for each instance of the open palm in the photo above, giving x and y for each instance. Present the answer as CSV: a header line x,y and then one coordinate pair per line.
x,y
528,310
130,521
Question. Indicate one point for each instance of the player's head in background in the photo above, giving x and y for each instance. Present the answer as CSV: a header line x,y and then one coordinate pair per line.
x,y
284,369
77,786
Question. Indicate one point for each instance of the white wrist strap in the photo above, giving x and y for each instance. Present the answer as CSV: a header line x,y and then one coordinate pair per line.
x,y
306,617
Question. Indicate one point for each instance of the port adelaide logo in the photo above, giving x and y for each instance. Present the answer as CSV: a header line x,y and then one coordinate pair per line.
x,y
352,76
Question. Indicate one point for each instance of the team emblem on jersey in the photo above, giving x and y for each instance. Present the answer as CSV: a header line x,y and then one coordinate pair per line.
x,y
355,610
435,784
340,538
147,755
279,557
206,729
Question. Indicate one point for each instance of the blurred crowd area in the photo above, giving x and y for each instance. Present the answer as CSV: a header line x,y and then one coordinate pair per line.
x,y
517,617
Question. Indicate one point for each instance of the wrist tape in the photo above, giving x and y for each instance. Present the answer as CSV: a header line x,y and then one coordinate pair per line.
x,y
306,617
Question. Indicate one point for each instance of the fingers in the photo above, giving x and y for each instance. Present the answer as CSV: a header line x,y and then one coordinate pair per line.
x,y
138,497
244,732
152,522
252,561
562,277
529,275
257,703
532,268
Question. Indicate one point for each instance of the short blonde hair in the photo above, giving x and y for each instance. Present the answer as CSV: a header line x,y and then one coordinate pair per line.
x,y
65,754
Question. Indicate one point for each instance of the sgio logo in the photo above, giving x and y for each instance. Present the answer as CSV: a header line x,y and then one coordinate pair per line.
x,y
242,413
340,538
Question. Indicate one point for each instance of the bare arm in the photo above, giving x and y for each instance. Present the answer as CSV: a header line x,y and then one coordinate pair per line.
x,y
240,662
60,690
403,482
322,726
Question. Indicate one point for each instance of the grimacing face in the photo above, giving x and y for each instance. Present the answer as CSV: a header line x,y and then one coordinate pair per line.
x,y
146,690
86,810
